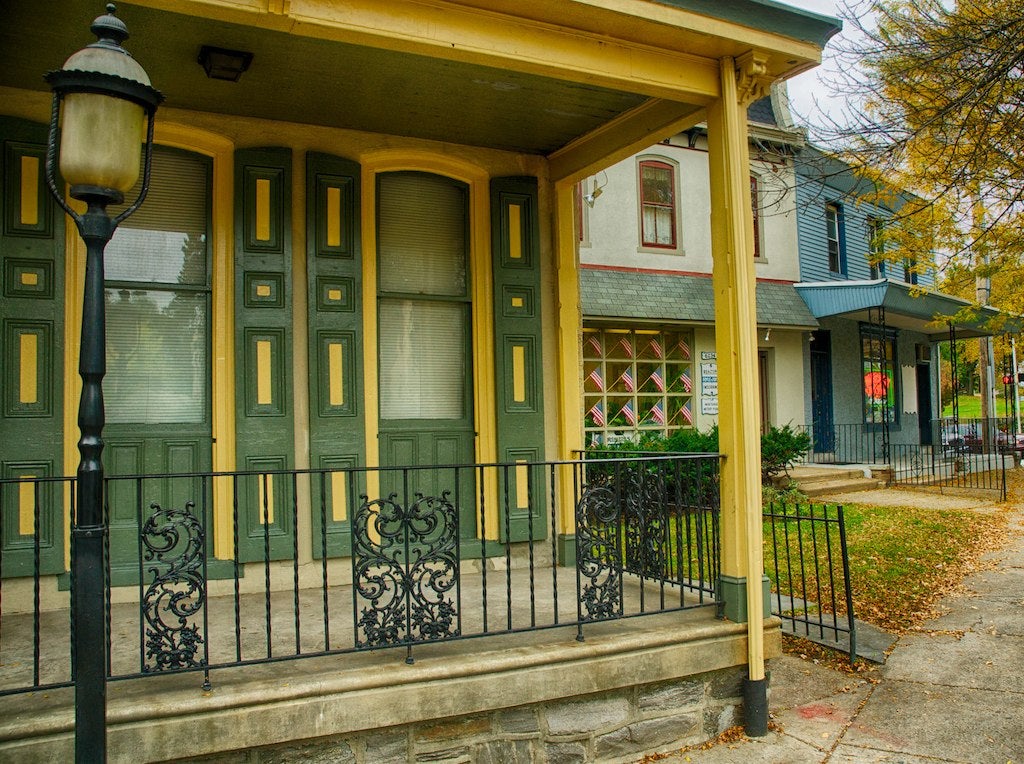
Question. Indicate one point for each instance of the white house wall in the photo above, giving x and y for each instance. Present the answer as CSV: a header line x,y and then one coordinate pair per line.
x,y
613,223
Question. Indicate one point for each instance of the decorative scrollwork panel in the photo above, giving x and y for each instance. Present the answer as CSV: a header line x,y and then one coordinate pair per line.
x,y
405,563
598,555
173,541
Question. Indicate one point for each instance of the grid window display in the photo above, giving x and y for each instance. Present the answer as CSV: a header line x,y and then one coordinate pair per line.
x,y
636,381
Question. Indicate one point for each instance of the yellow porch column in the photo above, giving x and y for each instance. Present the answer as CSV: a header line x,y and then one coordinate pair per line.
x,y
570,361
732,246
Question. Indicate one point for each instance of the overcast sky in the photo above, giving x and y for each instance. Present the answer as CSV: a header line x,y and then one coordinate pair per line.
x,y
804,88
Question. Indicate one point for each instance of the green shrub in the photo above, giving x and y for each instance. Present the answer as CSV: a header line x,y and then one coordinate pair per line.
x,y
781,448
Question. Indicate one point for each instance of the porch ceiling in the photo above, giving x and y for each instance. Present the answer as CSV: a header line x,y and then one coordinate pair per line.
x,y
906,307
533,77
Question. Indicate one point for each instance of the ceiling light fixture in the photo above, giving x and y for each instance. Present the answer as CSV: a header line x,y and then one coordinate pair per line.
x,y
224,64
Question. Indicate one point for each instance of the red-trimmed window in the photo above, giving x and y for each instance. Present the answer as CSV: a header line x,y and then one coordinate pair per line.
x,y
755,208
658,204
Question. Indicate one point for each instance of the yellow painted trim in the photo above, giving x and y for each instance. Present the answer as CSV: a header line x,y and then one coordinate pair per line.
x,y
515,232
517,302
26,507
570,359
482,295
29,213
262,211
733,280
263,290
518,374
264,365
28,368
339,496
334,295
510,41
222,324
522,484
334,374
622,137
333,216
266,494
28,278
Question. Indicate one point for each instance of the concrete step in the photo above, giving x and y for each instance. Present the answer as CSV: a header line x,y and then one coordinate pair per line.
x,y
812,475
840,485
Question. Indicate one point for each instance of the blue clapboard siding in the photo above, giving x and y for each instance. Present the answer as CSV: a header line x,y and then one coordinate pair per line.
x,y
818,184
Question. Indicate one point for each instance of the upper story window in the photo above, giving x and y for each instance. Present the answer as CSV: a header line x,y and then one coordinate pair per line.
x,y
876,247
657,204
833,234
755,208
910,270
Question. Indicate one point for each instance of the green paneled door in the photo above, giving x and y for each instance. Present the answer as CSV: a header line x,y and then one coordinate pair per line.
x,y
31,353
424,338
157,388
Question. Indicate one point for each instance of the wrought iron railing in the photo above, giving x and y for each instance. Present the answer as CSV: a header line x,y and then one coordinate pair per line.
x,y
807,561
921,466
844,444
209,570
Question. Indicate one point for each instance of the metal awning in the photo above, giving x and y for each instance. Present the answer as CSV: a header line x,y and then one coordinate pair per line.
x,y
906,307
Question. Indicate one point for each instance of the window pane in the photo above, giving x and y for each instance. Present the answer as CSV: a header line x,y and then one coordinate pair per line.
x,y
657,184
421,234
156,356
164,241
422,360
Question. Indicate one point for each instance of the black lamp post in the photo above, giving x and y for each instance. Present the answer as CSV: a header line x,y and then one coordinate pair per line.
x,y
107,116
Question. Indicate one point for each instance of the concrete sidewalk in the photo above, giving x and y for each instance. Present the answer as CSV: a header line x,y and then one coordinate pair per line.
x,y
952,691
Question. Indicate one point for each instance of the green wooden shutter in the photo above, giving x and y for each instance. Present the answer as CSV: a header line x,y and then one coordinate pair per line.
x,y
337,434
518,353
32,351
264,413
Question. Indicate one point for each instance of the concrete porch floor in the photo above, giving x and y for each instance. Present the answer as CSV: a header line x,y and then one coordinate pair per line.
x,y
170,717
508,599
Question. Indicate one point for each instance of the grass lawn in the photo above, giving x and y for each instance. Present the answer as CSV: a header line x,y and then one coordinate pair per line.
x,y
902,559
970,406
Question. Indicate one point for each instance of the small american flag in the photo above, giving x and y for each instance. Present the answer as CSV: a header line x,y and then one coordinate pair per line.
x,y
597,414
595,377
657,380
687,413
687,382
655,347
683,347
627,380
627,348
628,412
658,413
594,344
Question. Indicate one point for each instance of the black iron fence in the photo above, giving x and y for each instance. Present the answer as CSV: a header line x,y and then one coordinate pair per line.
x,y
807,562
923,467
953,453
844,444
209,570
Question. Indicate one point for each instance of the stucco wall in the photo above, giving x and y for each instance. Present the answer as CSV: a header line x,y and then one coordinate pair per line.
x,y
613,223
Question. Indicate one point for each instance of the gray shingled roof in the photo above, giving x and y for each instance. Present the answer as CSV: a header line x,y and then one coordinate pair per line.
x,y
761,111
668,297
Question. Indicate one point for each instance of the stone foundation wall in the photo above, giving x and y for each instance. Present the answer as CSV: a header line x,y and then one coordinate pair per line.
x,y
619,725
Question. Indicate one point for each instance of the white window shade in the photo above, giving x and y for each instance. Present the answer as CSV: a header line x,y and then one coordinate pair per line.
x,y
156,357
164,241
422,359
421,235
